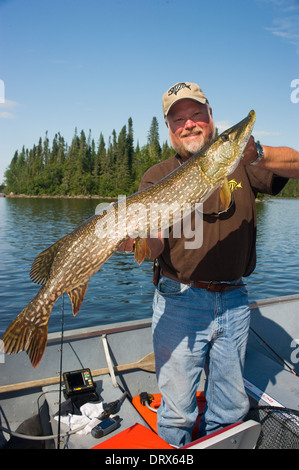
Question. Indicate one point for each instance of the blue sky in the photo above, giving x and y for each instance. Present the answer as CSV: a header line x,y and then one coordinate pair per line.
x,y
92,64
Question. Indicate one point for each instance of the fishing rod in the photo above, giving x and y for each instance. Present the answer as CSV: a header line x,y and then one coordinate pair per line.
x,y
274,352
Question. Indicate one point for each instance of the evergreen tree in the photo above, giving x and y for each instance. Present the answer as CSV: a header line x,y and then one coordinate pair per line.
x,y
153,143
99,161
130,144
70,168
11,174
167,151
106,184
46,153
122,166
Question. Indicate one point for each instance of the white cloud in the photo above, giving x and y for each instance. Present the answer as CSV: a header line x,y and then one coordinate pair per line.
x,y
285,22
287,28
285,5
7,109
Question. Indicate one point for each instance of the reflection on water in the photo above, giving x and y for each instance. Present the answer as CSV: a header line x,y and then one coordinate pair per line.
x,y
122,290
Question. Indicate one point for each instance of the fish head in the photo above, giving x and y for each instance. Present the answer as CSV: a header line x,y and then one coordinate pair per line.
x,y
225,152
234,140
239,134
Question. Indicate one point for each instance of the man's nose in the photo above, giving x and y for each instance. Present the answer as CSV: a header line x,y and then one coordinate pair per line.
x,y
189,124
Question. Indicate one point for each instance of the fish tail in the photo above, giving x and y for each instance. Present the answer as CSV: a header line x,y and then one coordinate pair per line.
x,y
29,331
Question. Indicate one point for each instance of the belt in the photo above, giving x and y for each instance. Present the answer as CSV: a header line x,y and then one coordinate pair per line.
x,y
212,286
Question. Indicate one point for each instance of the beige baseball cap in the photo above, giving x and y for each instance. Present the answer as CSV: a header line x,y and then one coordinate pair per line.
x,y
181,91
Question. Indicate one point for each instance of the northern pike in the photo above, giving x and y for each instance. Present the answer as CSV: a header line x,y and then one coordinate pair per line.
x,y
68,264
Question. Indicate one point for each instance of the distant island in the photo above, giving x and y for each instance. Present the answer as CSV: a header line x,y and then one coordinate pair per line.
x,y
85,167
89,168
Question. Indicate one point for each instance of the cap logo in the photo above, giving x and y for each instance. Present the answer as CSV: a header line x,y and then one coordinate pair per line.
x,y
176,88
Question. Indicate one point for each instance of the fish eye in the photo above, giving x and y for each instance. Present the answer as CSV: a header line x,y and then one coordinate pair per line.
x,y
225,137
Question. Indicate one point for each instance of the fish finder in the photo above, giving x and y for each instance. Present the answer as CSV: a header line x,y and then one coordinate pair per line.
x,y
78,382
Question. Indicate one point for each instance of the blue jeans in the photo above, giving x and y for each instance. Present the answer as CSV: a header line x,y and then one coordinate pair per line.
x,y
195,329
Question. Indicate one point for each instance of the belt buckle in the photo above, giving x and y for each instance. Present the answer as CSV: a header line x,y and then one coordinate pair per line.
x,y
211,284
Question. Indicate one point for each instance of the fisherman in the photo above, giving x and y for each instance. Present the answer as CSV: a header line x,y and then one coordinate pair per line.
x,y
200,308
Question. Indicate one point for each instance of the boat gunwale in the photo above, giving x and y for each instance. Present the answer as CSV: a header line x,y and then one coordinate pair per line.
x,y
274,300
93,331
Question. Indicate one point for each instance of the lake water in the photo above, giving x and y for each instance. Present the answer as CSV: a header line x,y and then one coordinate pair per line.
x,y
122,290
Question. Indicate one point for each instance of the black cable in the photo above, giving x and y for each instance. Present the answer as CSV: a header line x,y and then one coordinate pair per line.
x,y
60,372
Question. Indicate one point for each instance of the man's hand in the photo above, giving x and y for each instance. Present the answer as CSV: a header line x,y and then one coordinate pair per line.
x,y
127,245
155,244
250,153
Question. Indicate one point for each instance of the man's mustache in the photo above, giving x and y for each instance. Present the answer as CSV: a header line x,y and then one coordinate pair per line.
x,y
188,134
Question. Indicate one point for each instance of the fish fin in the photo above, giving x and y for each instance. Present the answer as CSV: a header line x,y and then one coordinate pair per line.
x,y
225,194
41,266
77,295
141,250
28,332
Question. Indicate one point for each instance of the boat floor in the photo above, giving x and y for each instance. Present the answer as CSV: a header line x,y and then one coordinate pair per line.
x,y
107,392
46,424
268,375
284,390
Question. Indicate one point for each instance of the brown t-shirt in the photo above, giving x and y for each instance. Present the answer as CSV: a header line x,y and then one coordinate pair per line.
x,y
228,248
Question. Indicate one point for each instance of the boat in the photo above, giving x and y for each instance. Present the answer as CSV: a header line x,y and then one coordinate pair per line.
x,y
119,362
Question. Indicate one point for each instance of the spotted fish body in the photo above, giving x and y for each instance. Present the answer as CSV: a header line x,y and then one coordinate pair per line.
x,y
68,265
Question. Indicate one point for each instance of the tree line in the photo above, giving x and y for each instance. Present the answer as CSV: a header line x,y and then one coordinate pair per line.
x,y
291,189
85,167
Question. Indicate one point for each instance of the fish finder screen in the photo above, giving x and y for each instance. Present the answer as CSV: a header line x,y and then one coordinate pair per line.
x,y
76,380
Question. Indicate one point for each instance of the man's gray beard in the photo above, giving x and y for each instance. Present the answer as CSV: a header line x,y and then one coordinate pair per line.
x,y
195,147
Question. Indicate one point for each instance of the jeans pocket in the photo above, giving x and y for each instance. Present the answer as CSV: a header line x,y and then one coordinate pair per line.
x,y
169,287
243,289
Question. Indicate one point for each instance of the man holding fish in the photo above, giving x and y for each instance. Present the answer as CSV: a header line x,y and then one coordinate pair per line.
x,y
201,313
200,308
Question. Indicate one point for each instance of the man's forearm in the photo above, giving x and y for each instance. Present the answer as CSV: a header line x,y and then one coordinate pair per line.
x,y
282,161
